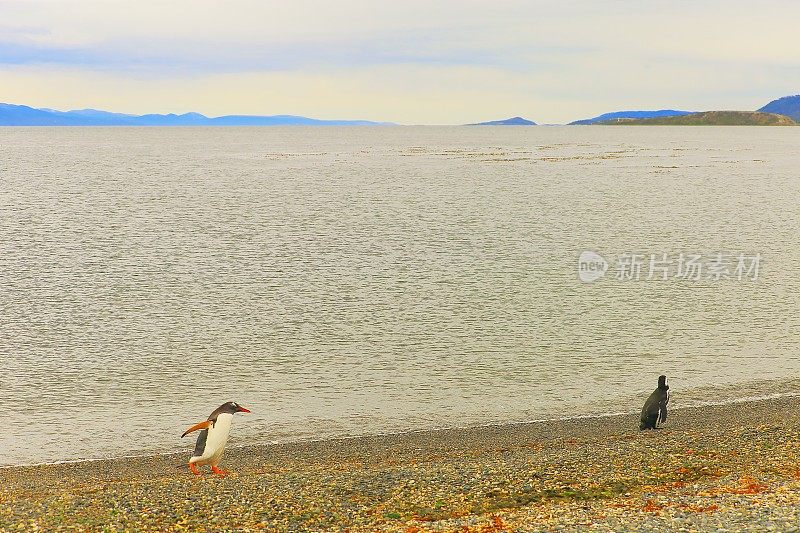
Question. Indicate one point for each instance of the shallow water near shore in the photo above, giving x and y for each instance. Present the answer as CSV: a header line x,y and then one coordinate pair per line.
x,y
341,281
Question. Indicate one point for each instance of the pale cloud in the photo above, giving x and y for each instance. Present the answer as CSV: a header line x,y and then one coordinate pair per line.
x,y
410,62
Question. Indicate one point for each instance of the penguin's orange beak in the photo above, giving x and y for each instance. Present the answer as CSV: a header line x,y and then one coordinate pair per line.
x,y
243,410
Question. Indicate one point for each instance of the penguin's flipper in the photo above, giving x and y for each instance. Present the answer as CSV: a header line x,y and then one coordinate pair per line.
x,y
205,424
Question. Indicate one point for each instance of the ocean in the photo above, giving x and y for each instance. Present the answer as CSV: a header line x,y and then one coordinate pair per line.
x,y
341,281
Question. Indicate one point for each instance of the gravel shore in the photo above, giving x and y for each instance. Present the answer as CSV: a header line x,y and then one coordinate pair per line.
x,y
718,468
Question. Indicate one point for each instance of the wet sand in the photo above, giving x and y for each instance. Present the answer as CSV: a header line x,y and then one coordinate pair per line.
x,y
732,467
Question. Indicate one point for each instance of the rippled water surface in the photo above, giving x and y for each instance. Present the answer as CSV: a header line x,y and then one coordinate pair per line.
x,y
342,281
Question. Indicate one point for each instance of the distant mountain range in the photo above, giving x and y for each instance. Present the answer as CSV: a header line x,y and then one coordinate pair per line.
x,y
22,115
773,113
514,121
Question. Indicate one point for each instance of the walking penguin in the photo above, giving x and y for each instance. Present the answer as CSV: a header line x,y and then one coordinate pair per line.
x,y
213,437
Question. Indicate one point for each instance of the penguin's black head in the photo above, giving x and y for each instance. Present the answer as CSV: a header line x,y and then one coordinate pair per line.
x,y
232,407
662,382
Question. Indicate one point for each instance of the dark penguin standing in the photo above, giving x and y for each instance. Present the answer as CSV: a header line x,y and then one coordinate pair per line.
x,y
211,441
655,408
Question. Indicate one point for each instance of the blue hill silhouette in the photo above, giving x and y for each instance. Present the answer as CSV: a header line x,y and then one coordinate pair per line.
x,y
22,115
788,106
514,121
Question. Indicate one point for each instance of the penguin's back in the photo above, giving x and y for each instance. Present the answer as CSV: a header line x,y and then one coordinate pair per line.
x,y
651,411
200,445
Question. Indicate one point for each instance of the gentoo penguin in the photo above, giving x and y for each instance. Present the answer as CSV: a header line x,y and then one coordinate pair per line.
x,y
211,441
655,408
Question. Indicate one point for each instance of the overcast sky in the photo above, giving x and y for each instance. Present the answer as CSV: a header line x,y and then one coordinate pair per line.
x,y
413,62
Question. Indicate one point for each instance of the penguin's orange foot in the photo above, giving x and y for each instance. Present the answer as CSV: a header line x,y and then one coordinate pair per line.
x,y
193,468
219,472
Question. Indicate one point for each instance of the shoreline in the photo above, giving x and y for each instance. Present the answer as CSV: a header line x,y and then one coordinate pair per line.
x,y
409,432
600,416
732,465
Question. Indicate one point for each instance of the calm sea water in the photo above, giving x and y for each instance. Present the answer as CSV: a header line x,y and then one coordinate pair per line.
x,y
342,281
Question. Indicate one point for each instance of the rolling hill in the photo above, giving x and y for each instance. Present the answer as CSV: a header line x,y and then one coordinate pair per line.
x,y
618,115
711,118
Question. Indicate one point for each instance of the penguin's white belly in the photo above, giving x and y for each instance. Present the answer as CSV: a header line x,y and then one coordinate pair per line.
x,y
215,441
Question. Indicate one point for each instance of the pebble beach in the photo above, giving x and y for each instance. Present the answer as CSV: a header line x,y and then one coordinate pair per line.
x,y
730,467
